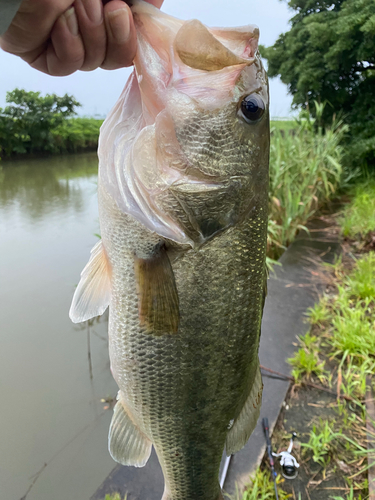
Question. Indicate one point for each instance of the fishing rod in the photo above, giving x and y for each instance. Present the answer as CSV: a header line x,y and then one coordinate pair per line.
x,y
269,452
225,471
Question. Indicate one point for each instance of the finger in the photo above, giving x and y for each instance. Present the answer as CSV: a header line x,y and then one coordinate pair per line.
x,y
65,51
121,37
93,32
31,27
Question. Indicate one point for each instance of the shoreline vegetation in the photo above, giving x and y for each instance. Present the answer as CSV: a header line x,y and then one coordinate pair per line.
x,y
33,125
335,431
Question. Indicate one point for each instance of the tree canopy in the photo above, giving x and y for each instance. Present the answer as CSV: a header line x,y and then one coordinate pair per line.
x,y
28,122
329,55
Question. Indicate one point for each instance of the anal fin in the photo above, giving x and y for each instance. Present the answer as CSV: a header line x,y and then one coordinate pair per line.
x,y
246,421
158,302
93,292
127,445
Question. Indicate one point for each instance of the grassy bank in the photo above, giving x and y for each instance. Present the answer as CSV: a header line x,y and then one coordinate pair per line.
x,y
338,354
306,170
73,135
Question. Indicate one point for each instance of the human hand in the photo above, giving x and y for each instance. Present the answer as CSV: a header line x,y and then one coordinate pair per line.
x,y
59,37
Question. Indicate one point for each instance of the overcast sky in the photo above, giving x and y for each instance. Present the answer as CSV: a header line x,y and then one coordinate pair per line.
x,y
98,90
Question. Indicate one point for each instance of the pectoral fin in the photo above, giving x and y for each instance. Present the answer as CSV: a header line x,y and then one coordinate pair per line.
x,y
158,303
246,421
93,292
127,445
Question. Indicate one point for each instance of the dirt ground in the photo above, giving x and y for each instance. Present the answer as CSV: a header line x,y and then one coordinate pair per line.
x,y
306,406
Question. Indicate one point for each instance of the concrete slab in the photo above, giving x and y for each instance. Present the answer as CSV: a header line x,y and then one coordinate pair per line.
x,y
292,289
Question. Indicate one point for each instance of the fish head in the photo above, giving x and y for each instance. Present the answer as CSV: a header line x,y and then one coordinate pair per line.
x,y
198,115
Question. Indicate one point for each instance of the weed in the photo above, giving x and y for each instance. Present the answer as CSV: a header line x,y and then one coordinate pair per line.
x,y
320,443
306,364
320,313
306,361
353,330
354,377
362,280
349,496
359,217
115,496
262,487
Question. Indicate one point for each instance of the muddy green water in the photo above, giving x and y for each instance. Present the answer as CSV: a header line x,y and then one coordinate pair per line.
x,y
51,417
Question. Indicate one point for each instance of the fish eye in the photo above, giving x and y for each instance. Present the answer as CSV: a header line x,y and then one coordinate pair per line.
x,y
252,108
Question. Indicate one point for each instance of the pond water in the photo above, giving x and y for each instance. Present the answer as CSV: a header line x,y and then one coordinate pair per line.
x,y
53,432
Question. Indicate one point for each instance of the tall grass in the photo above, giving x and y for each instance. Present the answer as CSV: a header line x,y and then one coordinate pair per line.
x,y
305,171
358,218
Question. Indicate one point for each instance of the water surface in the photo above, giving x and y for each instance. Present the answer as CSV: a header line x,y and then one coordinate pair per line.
x,y
52,419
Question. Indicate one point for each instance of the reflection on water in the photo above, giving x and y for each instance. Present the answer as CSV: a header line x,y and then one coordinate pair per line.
x,y
53,374
38,187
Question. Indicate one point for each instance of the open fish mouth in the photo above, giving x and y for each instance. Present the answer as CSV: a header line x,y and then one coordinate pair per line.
x,y
182,69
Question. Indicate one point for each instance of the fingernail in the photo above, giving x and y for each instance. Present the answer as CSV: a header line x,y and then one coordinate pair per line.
x,y
71,21
119,25
94,10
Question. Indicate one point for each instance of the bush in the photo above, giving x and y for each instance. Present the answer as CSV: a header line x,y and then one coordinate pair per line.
x,y
32,123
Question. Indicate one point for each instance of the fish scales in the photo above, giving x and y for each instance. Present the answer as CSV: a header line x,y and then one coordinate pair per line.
x,y
183,196
183,391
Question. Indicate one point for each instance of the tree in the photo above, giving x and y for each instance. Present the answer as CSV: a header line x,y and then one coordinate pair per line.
x,y
329,55
26,125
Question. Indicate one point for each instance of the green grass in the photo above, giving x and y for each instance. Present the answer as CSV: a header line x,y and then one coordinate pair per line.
x,y
359,217
361,282
115,496
285,125
342,337
305,171
262,487
349,496
306,363
347,318
321,443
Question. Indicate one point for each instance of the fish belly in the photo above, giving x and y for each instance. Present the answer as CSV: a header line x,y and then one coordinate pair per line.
x,y
183,390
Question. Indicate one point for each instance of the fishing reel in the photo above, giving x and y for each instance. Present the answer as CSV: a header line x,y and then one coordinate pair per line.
x,y
289,465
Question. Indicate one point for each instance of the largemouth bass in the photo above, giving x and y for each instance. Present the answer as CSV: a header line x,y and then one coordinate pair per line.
x,y
183,195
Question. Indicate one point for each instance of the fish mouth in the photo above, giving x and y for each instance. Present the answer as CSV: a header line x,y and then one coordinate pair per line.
x,y
188,57
182,70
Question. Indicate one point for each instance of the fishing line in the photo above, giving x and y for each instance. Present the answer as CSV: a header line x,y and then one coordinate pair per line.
x,y
269,452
